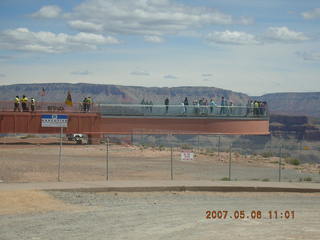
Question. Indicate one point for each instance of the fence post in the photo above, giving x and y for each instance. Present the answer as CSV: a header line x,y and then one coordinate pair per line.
x,y
198,144
171,163
107,159
280,163
60,149
219,148
230,162
132,138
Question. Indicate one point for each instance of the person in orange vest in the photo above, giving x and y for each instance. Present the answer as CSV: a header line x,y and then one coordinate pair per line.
x,y
24,102
17,104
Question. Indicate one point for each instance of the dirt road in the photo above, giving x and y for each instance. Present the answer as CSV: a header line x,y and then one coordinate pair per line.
x,y
165,215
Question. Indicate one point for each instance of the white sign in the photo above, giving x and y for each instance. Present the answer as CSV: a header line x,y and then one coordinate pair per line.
x,y
54,120
186,155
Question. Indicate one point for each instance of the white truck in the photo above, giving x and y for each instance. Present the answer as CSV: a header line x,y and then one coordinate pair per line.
x,y
77,137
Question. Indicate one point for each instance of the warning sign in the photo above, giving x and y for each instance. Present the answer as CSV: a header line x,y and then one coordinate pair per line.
x,y
186,155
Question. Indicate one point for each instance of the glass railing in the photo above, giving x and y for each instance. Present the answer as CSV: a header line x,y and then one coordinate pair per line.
x,y
145,110
55,107
182,111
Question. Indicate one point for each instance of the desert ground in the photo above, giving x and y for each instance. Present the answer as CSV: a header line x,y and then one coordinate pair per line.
x,y
34,160
31,214
163,215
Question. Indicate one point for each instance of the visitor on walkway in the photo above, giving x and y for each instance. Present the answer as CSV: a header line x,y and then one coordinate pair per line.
x,y
166,102
24,103
17,104
212,105
186,104
33,104
222,106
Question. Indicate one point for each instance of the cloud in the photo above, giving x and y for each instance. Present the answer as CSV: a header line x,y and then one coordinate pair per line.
x,y
228,37
50,11
169,76
140,73
246,20
147,17
309,56
153,39
47,42
86,26
2,75
283,34
206,75
312,14
86,72
273,34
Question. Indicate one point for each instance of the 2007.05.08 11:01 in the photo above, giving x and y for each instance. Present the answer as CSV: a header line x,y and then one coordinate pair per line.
x,y
254,214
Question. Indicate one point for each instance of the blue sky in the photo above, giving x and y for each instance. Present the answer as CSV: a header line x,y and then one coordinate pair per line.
x,y
251,46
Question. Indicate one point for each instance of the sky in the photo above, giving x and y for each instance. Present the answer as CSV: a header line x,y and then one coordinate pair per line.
x,y
250,46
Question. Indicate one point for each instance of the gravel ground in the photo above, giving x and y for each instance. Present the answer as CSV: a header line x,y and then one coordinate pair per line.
x,y
167,215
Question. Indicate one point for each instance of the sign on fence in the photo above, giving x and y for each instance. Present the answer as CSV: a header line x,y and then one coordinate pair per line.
x,y
54,120
186,155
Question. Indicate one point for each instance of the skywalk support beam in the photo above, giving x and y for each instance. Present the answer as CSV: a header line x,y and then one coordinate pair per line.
x,y
95,125
27,122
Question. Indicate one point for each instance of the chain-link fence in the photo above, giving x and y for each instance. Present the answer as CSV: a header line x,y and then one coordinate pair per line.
x,y
29,158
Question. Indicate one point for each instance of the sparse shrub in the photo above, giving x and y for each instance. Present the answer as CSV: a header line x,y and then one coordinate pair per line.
x,y
307,179
267,154
265,180
254,179
225,179
161,148
292,161
209,150
186,146
27,136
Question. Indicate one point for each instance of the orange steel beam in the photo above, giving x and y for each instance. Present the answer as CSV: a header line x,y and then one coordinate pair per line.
x,y
94,124
184,126
27,122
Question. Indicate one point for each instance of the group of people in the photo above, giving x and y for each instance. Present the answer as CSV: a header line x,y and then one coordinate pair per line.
x,y
24,103
256,108
200,106
226,107
147,105
204,106
86,104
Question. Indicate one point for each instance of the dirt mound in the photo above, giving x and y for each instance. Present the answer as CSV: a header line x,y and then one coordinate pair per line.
x,y
22,201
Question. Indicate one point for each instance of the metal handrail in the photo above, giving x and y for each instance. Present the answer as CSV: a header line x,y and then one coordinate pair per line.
x,y
183,110
147,109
